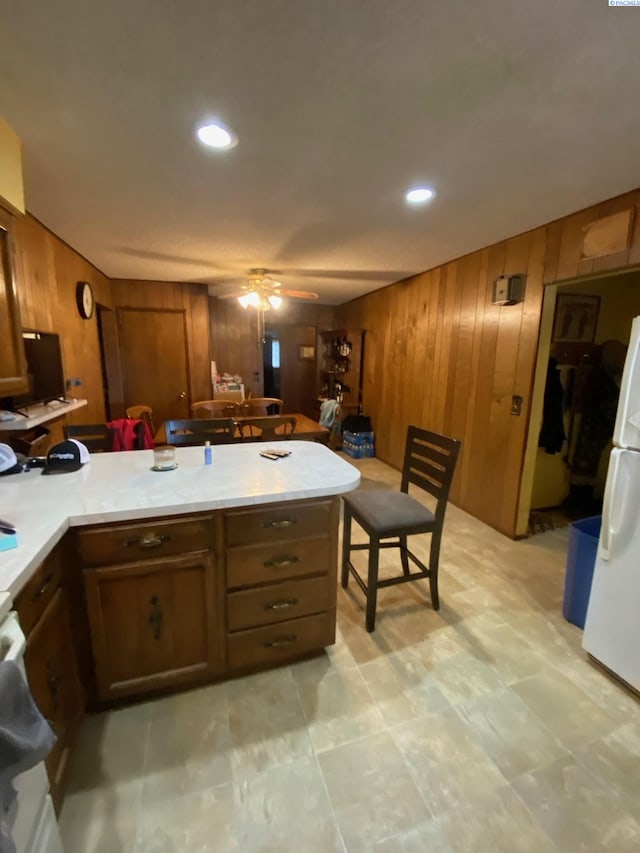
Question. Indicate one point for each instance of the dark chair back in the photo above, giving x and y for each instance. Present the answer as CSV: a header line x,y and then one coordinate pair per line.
x,y
188,433
264,429
95,437
430,463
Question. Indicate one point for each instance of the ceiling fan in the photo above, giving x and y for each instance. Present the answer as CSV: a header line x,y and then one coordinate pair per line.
x,y
262,292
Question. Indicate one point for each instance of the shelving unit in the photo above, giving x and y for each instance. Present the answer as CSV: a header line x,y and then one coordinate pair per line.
x,y
341,375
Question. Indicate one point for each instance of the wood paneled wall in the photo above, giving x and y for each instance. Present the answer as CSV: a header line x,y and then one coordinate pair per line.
x,y
234,335
438,354
47,272
193,299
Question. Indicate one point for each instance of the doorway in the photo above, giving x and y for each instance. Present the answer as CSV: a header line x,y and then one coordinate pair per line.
x,y
290,359
585,330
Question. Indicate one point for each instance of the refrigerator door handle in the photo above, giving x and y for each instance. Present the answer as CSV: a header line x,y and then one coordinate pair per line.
x,y
612,513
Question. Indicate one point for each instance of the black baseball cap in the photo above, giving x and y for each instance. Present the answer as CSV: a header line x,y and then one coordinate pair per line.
x,y
69,455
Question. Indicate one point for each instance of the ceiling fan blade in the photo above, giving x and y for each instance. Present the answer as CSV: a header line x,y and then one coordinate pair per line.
x,y
297,294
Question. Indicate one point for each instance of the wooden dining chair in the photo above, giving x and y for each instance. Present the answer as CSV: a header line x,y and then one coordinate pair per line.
x,y
215,409
188,433
264,428
97,438
143,413
262,406
429,463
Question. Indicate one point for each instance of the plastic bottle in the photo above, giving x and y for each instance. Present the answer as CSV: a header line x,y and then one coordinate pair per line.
x,y
207,453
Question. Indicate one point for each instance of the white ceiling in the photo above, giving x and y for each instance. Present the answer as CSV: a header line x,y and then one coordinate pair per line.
x,y
517,113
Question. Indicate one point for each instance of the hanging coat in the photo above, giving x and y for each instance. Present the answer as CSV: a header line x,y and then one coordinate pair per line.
x,y
552,434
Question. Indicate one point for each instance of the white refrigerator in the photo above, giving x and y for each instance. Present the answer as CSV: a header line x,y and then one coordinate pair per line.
x,y
612,628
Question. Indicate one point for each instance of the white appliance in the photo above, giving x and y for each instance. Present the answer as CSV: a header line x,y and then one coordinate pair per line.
x,y
31,819
612,627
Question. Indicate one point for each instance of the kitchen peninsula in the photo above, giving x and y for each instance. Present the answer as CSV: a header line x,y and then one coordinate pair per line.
x,y
193,572
129,581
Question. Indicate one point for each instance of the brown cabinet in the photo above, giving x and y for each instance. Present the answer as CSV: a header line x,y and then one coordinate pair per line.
x,y
50,661
281,581
156,620
13,371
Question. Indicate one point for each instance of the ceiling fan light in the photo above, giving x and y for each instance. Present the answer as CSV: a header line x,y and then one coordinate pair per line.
x,y
244,300
275,300
253,299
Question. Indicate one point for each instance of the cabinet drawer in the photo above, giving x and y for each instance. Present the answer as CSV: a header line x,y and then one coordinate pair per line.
x,y
268,563
275,644
277,522
39,590
277,602
125,543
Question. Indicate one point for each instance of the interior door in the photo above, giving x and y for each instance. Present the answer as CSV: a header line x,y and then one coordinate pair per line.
x,y
153,346
297,367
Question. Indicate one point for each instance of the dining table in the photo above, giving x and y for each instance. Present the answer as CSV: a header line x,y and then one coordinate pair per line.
x,y
306,429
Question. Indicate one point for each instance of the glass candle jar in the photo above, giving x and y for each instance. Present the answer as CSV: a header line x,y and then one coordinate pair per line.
x,y
164,457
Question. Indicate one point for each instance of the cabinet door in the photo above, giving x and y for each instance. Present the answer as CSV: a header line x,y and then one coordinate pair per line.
x,y
154,624
51,671
13,371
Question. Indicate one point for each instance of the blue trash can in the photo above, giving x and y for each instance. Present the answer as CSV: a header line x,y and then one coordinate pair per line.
x,y
581,559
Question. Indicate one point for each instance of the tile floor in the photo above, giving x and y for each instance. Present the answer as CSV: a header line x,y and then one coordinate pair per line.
x,y
478,728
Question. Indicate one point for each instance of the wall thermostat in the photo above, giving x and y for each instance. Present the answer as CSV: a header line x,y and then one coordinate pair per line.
x,y
508,290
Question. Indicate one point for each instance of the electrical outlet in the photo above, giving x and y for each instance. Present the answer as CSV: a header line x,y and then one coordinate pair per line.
x,y
516,404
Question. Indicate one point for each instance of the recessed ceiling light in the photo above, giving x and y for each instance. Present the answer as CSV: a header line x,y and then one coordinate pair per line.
x,y
216,135
419,195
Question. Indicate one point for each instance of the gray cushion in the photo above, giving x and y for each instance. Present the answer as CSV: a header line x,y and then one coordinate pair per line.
x,y
389,513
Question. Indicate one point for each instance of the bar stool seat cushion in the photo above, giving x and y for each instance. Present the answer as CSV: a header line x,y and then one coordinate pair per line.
x,y
389,513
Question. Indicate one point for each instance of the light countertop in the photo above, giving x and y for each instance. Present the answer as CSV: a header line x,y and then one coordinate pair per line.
x,y
122,486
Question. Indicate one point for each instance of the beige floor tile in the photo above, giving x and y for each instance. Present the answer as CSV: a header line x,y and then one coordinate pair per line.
x,y
447,765
463,677
101,820
335,658
565,710
578,812
615,760
338,708
605,690
509,654
286,809
200,822
110,748
426,837
372,793
266,724
402,688
510,733
189,747
494,822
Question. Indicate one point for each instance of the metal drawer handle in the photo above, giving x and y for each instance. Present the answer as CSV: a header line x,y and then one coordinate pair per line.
x,y
36,595
281,641
281,562
286,522
282,604
148,541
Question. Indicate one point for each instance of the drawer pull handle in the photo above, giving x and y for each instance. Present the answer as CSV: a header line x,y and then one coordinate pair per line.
x,y
36,595
280,563
148,541
282,604
286,522
281,641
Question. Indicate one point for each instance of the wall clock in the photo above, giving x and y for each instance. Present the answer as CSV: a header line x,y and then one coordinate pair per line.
x,y
84,299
